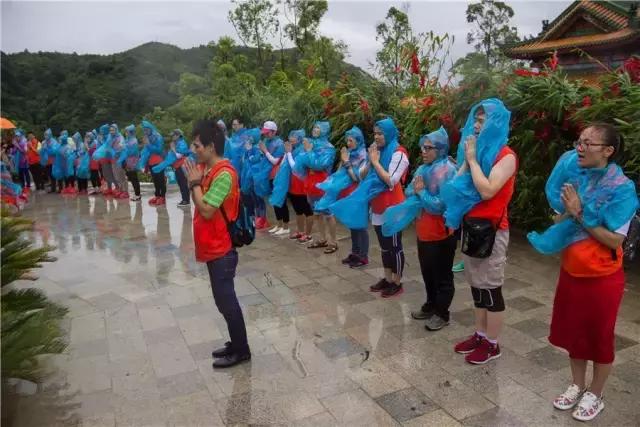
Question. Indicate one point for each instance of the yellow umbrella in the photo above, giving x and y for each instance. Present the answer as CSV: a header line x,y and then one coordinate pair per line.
x,y
6,124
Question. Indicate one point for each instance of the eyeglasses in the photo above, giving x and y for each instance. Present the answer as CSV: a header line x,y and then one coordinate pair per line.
x,y
426,148
586,145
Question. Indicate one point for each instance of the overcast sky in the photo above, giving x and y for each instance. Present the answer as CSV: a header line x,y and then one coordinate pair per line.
x,y
109,27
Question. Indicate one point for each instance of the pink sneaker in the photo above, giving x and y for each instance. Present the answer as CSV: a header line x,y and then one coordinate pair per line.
x,y
468,345
484,353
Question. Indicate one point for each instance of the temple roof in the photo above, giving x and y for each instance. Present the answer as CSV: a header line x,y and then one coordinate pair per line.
x,y
584,24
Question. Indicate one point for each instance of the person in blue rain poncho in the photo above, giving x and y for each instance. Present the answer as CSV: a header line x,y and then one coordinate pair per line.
x,y
353,159
152,154
63,164
272,148
313,166
594,203
94,142
47,156
436,242
104,156
287,185
179,151
128,160
234,146
117,143
479,196
82,162
380,188
250,151
20,145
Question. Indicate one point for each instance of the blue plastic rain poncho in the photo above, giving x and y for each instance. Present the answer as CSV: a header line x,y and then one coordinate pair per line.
x,y
116,141
234,149
341,180
181,151
82,155
260,165
353,210
130,154
48,148
20,145
398,217
104,150
321,157
9,190
155,145
63,158
250,150
459,194
282,180
608,199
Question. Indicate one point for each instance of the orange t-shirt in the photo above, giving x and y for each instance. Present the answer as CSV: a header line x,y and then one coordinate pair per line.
x,y
590,258
431,228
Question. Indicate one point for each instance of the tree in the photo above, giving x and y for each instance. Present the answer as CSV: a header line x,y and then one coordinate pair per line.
x,y
326,56
491,30
395,34
255,21
304,18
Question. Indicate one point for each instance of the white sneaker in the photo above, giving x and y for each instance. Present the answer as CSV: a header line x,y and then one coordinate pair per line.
x,y
589,407
282,232
569,398
274,229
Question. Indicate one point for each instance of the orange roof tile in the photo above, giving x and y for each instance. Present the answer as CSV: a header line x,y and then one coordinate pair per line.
x,y
578,41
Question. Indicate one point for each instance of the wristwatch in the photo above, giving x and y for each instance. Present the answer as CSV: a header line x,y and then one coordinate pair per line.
x,y
194,184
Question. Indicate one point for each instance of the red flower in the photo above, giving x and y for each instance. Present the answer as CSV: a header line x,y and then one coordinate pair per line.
x,y
415,64
422,81
632,67
328,109
364,106
326,93
428,101
311,70
545,133
553,62
446,120
586,101
615,89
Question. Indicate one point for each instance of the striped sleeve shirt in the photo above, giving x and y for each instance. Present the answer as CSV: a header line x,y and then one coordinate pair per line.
x,y
219,190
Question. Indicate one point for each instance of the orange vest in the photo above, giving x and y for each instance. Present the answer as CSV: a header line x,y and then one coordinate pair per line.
x,y
154,159
296,186
431,228
210,236
33,156
313,178
495,209
590,258
390,197
178,163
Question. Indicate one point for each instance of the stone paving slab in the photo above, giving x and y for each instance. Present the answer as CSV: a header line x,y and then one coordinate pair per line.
x,y
326,351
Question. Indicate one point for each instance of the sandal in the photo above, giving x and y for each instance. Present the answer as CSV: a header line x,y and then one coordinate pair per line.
x,y
331,249
317,244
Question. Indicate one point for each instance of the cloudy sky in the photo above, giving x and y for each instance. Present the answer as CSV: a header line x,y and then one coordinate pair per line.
x,y
108,27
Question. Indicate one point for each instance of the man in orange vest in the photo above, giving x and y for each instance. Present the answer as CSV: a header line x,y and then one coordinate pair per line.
x,y
215,192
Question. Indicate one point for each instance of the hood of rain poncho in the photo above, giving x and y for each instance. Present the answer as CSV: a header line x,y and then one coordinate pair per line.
x,y
252,137
340,180
20,156
321,157
282,180
234,149
116,141
19,132
353,210
131,152
48,134
77,139
459,194
63,138
104,130
155,145
130,130
261,167
435,175
608,197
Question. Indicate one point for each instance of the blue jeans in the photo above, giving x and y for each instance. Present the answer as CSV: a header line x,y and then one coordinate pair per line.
x,y
360,243
221,273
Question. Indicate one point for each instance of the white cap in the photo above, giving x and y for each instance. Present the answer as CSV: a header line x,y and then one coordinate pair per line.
x,y
269,126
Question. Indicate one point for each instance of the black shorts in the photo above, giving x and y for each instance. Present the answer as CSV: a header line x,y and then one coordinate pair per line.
x,y
490,299
300,204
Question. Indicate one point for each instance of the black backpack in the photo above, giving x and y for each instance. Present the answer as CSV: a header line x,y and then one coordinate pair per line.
x,y
243,230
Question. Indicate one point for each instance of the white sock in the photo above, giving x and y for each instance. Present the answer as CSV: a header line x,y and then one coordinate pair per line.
x,y
493,342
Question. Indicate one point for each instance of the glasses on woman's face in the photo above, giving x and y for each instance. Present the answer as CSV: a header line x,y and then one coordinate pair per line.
x,y
586,144
426,148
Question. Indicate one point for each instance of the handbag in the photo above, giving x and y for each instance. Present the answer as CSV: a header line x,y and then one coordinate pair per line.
x,y
478,237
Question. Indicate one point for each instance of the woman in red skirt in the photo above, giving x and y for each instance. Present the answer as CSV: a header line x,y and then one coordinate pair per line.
x,y
597,202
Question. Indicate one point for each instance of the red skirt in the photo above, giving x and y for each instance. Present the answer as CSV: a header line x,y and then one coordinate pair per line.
x,y
584,315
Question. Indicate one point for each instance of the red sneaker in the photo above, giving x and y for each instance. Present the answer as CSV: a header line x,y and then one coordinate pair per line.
x,y
483,353
153,201
261,223
122,195
82,192
161,201
468,345
108,192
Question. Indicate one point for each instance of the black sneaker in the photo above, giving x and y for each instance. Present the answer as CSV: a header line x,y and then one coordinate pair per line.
x,y
435,323
222,352
231,360
183,204
380,286
349,259
359,262
392,290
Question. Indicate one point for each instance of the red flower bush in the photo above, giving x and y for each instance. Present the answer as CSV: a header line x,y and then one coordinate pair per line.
x,y
632,66
364,106
415,64
326,93
586,101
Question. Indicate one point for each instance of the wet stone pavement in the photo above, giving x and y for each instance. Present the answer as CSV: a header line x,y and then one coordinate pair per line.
x,y
142,324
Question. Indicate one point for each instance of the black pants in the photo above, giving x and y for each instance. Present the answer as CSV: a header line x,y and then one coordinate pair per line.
x,y
95,178
83,184
392,252
282,213
221,273
300,204
183,184
25,178
70,181
436,260
38,175
52,180
132,176
159,183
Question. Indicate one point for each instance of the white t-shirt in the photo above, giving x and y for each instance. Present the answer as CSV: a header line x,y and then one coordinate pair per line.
x,y
397,168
